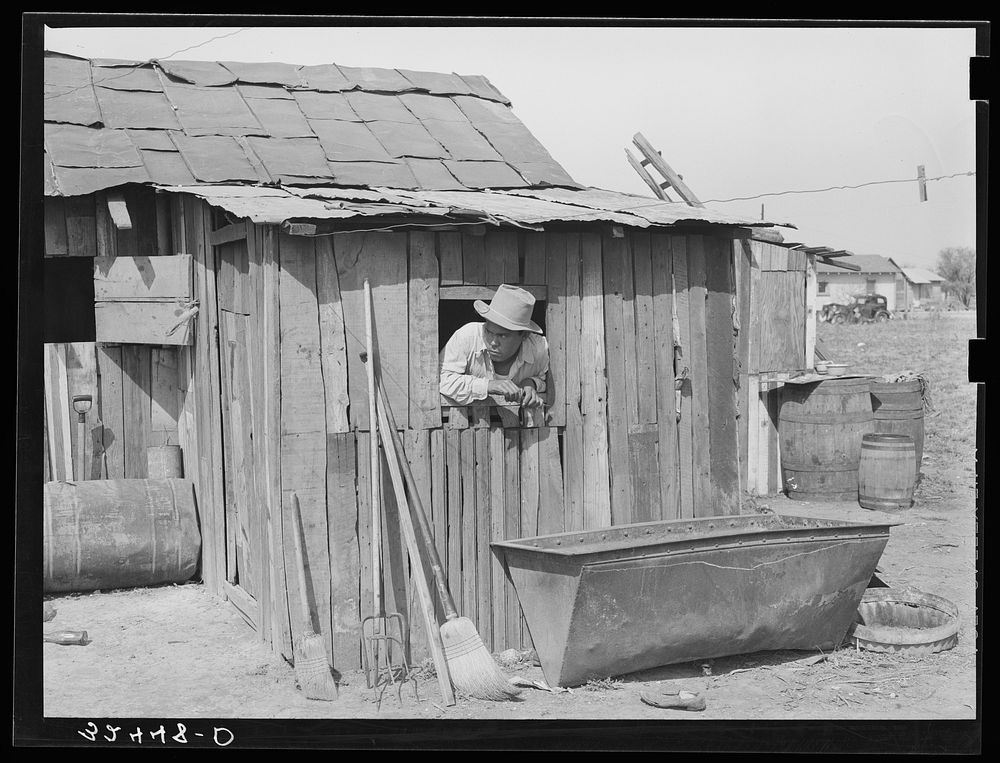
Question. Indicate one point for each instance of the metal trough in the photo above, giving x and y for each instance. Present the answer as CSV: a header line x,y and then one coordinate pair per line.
x,y
601,603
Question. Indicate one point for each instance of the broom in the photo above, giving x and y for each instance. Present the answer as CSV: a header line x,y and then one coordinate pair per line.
x,y
311,667
473,670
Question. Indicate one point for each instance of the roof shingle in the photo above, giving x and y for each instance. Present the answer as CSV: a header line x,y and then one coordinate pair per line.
x,y
212,122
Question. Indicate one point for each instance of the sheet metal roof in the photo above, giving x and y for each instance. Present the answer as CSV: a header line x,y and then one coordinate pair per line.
x,y
165,122
867,263
524,208
275,142
921,275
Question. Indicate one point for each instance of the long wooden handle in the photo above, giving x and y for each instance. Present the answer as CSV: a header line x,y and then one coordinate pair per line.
x,y
447,602
423,591
374,477
300,565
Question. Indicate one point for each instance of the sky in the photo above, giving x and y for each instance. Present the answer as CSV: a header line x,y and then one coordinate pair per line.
x,y
738,111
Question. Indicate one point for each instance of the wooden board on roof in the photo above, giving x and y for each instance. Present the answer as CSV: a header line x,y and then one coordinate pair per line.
x,y
698,363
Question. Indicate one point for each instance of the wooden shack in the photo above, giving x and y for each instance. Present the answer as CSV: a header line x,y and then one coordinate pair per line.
x,y
231,214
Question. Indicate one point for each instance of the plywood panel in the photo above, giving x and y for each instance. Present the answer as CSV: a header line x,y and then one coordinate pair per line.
x,y
779,305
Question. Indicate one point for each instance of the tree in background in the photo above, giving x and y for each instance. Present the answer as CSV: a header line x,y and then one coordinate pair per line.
x,y
957,266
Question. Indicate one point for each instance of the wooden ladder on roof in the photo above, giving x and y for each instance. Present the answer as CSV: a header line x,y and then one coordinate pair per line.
x,y
671,179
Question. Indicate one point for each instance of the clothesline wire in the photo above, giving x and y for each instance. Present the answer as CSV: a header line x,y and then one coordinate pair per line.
x,y
839,187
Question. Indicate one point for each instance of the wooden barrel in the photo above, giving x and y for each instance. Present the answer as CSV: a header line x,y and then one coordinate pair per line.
x,y
820,426
164,461
119,534
885,473
899,409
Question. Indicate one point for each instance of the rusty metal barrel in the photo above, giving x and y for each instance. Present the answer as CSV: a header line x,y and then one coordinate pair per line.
x,y
898,408
885,472
820,426
101,534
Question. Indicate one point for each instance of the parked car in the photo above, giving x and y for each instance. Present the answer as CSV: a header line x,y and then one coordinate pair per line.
x,y
863,308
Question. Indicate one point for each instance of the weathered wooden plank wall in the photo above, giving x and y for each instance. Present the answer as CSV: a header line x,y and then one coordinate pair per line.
x,y
135,403
779,320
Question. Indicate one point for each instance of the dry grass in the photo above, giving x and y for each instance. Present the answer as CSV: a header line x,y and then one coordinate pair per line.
x,y
937,348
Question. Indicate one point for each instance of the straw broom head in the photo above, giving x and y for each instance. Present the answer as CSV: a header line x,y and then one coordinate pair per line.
x,y
312,671
473,670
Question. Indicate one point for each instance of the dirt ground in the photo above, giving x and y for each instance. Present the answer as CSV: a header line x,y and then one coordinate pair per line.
x,y
176,652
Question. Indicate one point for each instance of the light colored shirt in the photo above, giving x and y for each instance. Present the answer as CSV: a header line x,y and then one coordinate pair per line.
x,y
466,366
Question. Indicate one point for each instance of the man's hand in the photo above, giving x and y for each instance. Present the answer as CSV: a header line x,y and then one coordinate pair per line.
x,y
506,388
530,397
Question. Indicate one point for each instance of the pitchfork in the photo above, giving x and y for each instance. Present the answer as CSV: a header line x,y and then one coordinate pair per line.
x,y
384,634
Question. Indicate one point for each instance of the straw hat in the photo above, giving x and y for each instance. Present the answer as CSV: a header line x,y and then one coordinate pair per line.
x,y
511,308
